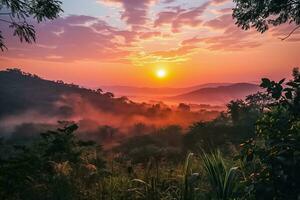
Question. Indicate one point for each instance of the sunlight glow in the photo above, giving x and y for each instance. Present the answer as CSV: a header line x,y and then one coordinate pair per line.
x,y
161,73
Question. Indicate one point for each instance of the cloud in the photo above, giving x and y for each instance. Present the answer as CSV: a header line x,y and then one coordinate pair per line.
x,y
219,1
176,55
231,38
168,1
178,17
134,11
148,35
284,30
221,22
79,38
87,38
74,38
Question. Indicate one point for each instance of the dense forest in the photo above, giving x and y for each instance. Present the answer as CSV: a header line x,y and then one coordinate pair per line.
x,y
250,151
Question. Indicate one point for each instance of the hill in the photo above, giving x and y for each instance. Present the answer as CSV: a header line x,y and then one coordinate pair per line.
x,y
150,91
22,92
217,95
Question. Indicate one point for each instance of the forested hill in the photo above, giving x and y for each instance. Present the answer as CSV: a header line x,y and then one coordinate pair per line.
x,y
20,92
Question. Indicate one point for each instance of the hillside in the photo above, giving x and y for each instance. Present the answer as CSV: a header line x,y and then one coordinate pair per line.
x,y
27,99
217,95
22,92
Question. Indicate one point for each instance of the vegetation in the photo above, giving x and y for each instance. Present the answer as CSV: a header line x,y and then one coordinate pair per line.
x,y
260,14
17,13
258,138
223,181
272,158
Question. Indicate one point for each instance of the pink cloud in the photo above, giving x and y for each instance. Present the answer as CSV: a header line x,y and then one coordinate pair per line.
x,y
220,22
135,11
75,38
284,30
179,17
225,11
232,38
70,39
219,1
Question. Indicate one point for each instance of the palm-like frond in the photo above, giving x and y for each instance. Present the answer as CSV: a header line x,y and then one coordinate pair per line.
x,y
223,181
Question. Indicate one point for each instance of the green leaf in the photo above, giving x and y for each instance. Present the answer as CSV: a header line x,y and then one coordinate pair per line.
x,y
293,84
281,81
265,83
289,95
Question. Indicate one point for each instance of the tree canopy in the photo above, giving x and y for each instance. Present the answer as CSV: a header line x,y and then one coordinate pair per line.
x,y
260,14
17,13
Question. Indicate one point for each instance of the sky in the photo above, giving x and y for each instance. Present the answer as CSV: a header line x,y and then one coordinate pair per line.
x,y
126,42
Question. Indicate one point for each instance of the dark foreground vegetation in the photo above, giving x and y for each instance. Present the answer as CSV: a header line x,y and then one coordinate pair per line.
x,y
251,151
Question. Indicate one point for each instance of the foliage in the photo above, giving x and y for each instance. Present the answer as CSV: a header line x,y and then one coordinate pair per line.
x,y
184,107
162,144
16,13
272,158
260,14
51,167
234,126
224,181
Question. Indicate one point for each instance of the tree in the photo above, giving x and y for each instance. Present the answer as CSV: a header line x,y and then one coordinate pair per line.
x,y
184,107
235,109
260,14
272,157
57,165
16,13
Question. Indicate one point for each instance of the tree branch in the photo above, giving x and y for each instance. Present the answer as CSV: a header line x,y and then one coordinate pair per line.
x,y
3,20
286,37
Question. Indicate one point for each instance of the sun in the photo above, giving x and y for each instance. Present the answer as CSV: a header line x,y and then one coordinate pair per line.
x,y
161,73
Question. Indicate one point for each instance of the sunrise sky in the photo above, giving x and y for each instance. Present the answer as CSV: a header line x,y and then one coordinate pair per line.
x,y
129,42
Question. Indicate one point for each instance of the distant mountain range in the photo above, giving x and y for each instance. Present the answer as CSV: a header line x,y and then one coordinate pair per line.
x,y
150,91
210,93
217,95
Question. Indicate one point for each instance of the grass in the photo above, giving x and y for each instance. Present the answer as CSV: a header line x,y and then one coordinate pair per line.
x,y
223,180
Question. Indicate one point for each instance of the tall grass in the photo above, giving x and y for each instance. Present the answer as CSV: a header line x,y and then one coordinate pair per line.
x,y
223,181
188,179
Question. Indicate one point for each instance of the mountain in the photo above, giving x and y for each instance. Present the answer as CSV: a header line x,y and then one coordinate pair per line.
x,y
150,91
217,95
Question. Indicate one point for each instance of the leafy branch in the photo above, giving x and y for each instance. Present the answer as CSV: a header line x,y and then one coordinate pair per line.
x,y
18,11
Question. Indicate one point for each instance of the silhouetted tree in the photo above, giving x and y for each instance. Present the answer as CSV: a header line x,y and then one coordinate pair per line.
x,y
16,13
235,109
184,107
260,14
109,95
99,91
